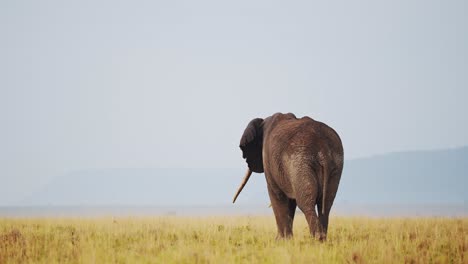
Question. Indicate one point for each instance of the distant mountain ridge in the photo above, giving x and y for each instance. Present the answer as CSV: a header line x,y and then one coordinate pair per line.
x,y
421,177
417,177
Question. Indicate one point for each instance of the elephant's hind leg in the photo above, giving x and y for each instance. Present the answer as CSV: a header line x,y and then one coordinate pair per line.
x,y
284,210
323,218
306,201
333,183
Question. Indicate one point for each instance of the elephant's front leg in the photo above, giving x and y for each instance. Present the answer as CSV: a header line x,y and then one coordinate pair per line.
x,y
284,210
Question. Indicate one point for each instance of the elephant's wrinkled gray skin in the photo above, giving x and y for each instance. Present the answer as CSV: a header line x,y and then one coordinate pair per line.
x,y
302,160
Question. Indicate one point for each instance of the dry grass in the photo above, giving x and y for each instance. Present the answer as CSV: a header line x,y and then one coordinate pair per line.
x,y
230,240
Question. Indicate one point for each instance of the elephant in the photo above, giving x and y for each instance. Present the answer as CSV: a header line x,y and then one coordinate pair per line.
x,y
302,160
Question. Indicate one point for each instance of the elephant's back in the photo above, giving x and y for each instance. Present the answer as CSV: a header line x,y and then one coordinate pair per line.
x,y
295,147
310,137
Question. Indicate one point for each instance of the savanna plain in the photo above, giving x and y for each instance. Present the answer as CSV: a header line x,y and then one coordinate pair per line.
x,y
230,239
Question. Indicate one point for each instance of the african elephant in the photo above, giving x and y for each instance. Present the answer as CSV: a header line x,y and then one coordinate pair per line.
x,y
302,160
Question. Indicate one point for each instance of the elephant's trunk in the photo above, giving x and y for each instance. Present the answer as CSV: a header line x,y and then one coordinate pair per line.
x,y
244,181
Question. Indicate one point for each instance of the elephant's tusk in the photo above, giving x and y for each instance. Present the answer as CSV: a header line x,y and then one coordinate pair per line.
x,y
244,181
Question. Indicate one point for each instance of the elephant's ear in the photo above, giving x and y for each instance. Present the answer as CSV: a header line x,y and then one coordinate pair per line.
x,y
251,145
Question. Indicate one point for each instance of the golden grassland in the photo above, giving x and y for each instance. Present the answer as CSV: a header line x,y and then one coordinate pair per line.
x,y
238,239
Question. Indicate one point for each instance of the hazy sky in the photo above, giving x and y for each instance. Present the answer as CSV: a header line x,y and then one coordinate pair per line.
x,y
110,84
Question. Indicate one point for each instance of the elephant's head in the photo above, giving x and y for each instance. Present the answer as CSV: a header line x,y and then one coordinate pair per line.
x,y
251,145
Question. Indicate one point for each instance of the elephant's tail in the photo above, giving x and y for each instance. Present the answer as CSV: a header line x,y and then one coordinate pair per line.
x,y
324,187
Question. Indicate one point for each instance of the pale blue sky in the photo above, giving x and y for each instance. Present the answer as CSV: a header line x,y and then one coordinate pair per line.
x,y
131,84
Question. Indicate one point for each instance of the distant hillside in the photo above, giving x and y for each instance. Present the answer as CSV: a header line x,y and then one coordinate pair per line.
x,y
420,177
